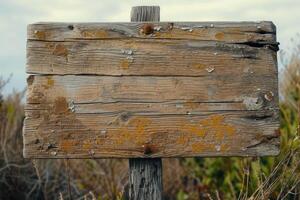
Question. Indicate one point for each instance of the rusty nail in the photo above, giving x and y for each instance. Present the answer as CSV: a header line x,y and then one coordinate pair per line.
x,y
71,27
147,149
147,29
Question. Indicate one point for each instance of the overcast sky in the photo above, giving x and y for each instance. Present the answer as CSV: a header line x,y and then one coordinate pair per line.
x,y
16,14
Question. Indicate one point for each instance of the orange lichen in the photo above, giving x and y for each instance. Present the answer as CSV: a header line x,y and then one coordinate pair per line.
x,y
60,105
125,64
216,125
68,145
40,35
134,131
49,83
60,50
213,129
194,129
182,140
94,33
200,147
191,105
86,145
220,36
198,66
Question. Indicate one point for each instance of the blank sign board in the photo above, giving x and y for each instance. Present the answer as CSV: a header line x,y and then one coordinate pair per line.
x,y
129,90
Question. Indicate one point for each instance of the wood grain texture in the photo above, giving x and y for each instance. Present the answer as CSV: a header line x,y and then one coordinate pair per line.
x,y
151,90
230,32
105,116
146,176
147,57
145,13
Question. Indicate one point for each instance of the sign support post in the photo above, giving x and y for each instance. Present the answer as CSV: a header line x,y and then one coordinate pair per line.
x,y
145,174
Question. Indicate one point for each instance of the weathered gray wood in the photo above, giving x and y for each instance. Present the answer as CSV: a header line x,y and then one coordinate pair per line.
x,y
238,32
117,116
146,174
145,13
152,57
163,86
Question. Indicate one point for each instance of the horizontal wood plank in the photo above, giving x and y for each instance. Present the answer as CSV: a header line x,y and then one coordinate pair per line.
x,y
147,57
96,136
104,116
231,32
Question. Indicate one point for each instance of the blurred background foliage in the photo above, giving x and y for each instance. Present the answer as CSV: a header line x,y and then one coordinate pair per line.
x,y
189,178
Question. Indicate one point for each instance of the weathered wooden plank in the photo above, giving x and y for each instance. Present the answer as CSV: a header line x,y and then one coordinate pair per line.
x,y
58,134
104,116
148,57
104,89
230,32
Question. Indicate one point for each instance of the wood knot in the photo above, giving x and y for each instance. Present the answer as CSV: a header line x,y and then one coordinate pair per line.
x,y
147,29
124,117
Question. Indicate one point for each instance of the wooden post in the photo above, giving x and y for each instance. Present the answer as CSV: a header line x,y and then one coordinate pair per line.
x,y
145,174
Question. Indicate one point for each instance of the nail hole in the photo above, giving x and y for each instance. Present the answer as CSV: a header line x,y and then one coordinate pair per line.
x,y
71,27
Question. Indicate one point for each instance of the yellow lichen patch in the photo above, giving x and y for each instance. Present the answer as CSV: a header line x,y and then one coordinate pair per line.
x,y
40,35
140,124
125,64
181,33
94,34
182,140
198,66
86,144
201,147
216,125
60,105
134,131
68,145
225,147
60,50
124,135
49,83
191,105
194,129
220,36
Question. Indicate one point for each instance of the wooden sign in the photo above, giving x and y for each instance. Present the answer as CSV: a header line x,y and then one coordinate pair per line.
x,y
151,90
